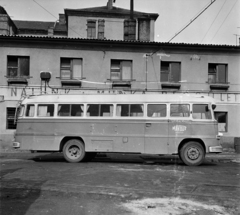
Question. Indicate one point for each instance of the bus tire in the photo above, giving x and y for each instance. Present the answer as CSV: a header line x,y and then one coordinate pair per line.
x,y
192,153
74,151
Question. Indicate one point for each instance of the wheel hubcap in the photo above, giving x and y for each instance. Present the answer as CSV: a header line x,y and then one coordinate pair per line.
x,y
193,153
74,151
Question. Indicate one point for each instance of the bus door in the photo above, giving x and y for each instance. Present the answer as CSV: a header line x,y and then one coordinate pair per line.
x,y
156,129
179,126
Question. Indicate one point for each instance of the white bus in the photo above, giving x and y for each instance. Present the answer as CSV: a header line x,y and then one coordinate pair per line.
x,y
82,125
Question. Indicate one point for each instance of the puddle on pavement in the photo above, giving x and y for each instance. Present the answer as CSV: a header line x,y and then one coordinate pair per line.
x,y
173,206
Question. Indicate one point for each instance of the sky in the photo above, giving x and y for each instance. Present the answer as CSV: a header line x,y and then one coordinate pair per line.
x,y
219,24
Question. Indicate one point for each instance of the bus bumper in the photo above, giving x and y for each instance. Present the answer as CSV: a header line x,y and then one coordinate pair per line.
x,y
215,149
16,145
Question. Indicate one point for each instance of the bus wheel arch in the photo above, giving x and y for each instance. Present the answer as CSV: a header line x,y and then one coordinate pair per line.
x,y
67,138
192,151
73,149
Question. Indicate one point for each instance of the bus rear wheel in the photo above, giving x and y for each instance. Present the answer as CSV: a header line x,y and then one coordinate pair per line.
x,y
192,153
74,151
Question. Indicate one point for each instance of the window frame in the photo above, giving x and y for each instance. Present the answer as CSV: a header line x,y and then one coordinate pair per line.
x,y
18,66
170,71
216,72
47,104
197,119
91,30
100,109
70,110
118,114
10,126
70,68
184,117
120,62
156,117
226,123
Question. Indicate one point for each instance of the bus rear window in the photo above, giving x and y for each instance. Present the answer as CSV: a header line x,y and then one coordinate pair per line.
x,y
180,110
70,110
130,110
157,110
201,111
45,110
30,110
104,110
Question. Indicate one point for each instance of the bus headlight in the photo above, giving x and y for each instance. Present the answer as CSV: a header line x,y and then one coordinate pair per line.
x,y
219,136
16,145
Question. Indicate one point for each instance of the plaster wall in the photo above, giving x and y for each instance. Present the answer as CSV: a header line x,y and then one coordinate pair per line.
x,y
113,30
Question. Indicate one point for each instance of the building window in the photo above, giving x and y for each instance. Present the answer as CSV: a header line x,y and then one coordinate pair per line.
x,y
221,118
101,25
91,29
121,70
71,68
170,71
10,118
17,66
217,73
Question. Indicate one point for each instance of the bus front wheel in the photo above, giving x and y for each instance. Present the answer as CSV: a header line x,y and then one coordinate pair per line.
x,y
74,151
192,153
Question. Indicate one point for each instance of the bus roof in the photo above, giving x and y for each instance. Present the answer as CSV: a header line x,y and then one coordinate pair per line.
x,y
114,98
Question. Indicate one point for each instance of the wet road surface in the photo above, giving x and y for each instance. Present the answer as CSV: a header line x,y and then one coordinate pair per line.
x,y
117,184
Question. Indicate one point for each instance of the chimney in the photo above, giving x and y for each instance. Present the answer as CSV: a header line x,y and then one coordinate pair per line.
x,y
110,4
131,9
62,20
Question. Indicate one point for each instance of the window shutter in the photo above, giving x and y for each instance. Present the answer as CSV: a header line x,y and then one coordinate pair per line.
x,y
77,68
221,73
101,25
175,72
23,66
91,29
126,24
132,30
126,67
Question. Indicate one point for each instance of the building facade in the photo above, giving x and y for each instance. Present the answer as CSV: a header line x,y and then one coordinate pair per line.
x,y
102,50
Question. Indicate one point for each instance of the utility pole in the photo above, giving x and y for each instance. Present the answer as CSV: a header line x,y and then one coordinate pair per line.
x,y
237,35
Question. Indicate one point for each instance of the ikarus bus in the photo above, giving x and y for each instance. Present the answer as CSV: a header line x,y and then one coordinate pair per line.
x,y
80,126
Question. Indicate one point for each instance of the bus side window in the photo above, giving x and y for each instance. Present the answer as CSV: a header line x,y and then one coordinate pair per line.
x,y
77,110
180,110
30,110
157,110
64,110
132,110
45,110
100,110
201,111
136,110
106,110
